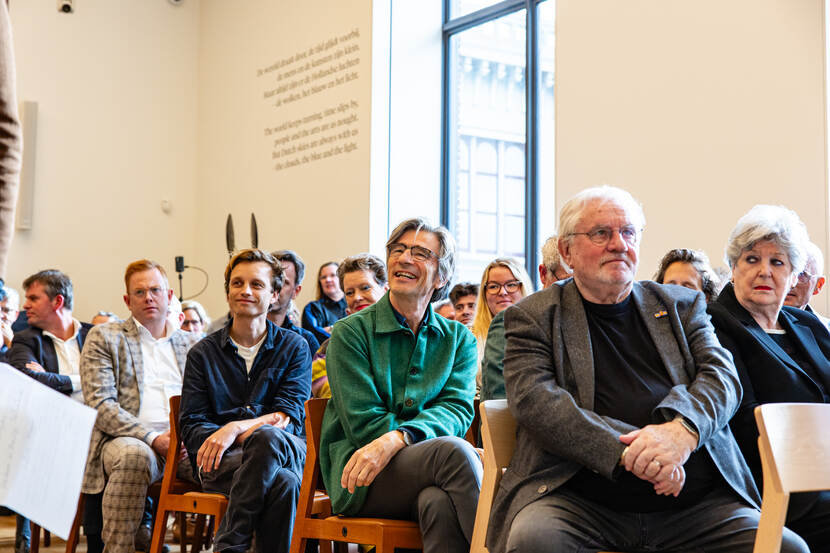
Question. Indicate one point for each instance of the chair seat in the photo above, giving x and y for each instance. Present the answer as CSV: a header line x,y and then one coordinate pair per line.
x,y
404,533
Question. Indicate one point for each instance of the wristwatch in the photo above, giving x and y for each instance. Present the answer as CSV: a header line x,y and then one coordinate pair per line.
x,y
408,439
687,424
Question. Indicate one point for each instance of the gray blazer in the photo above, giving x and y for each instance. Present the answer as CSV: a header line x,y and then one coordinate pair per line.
x,y
112,371
549,376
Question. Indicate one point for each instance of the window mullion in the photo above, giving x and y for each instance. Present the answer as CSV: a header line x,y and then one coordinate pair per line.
x,y
531,135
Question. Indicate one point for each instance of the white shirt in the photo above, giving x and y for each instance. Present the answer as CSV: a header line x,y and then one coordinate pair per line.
x,y
69,358
162,379
248,354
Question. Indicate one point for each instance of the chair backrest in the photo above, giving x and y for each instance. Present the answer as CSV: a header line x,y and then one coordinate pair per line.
x,y
498,433
498,429
175,449
794,442
315,408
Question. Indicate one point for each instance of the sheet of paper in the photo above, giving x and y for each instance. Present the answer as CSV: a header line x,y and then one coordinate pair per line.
x,y
44,439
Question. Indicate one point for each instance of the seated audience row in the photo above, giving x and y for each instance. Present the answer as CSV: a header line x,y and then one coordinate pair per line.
x,y
635,413
623,397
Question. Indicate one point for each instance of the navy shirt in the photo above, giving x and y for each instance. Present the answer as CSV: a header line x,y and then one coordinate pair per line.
x,y
217,389
322,313
313,344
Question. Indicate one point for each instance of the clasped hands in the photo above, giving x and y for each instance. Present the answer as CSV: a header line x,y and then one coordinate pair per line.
x,y
657,452
235,432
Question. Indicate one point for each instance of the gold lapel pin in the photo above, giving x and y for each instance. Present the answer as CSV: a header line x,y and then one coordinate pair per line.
x,y
660,314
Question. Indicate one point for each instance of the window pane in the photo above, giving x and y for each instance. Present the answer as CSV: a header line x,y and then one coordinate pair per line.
x,y
463,7
546,206
487,126
486,235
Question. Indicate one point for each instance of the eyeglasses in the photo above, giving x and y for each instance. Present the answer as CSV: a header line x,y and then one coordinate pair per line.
x,y
419,253
494,288
141,293
804,277
602,235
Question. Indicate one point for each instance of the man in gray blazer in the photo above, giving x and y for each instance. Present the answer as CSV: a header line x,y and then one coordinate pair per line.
x,y
622,395
129,370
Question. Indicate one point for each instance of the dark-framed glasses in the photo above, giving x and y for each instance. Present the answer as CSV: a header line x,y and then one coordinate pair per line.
x,y
602,235
493,288
419,253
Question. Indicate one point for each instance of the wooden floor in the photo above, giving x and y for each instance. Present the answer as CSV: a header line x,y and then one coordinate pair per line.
x,y
7,527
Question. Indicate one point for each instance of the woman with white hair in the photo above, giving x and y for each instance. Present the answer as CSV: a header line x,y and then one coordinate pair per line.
x,y
782,353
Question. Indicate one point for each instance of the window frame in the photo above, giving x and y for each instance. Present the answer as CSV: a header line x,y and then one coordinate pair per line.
x,y
455,26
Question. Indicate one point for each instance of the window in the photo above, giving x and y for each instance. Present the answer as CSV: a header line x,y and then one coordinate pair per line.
x,y
498,147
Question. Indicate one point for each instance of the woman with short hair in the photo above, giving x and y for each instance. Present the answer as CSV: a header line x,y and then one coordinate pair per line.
x,y
363,281
782,353
691,269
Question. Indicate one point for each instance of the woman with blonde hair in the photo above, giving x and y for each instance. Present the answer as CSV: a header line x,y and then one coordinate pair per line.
x,y
504,282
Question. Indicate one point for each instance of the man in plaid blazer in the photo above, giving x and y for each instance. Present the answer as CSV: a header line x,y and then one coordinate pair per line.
x,y
129,370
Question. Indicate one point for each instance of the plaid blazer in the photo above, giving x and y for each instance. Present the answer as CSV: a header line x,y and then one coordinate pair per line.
x,y
112,371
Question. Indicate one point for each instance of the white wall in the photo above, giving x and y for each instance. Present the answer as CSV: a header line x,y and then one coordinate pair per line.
x,y
116,86
321,209
700,109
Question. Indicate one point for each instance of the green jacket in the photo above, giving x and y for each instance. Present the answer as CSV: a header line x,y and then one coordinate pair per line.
x,y
492,365
383,377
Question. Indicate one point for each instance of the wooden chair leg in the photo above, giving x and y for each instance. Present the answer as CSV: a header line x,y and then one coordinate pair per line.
x,y
198,534
75,530
159,529
34,544
208,541
47,538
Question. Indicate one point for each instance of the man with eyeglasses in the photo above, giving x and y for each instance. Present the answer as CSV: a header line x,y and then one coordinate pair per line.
x,y
129,371
810,282
402,382
622,395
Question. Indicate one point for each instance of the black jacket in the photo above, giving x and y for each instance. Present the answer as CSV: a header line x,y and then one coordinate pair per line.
x,y
30,345
768,374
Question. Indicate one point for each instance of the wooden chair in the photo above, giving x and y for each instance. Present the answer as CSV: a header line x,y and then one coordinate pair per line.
x,y
181,496
795,456
473,433
498,435
384,534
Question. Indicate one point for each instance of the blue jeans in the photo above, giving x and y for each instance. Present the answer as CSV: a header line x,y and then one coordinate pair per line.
x,y
22,535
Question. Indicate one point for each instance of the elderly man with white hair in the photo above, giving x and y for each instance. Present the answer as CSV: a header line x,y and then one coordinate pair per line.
x,y
551,268
622,395
810,282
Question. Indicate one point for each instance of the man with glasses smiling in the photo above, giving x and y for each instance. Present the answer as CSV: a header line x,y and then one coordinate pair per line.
x,y
129,371
622,395
402,384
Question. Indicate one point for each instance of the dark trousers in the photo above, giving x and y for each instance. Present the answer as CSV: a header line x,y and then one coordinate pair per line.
x,y
262,481
435,482
808,515
564,521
